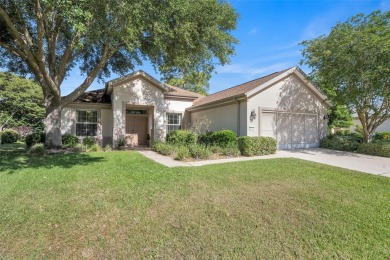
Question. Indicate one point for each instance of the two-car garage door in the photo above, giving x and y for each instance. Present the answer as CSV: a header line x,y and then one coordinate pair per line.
x,y
290,129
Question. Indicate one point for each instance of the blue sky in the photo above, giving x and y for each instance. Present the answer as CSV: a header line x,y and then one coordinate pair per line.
x,y
269,32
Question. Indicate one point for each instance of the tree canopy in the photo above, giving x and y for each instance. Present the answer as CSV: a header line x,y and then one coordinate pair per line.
x,y
21,102
351,65
49,38
340,117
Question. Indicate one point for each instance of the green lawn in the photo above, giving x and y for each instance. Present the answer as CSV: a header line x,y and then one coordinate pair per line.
x,y
122,205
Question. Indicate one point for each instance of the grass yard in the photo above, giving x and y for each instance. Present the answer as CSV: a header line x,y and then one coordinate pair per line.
x,y
122,205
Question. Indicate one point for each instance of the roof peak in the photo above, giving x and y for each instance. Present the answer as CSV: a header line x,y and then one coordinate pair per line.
x,y
254,79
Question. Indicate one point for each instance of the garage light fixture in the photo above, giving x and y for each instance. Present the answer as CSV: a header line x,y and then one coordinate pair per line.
x,y
326,117
253,115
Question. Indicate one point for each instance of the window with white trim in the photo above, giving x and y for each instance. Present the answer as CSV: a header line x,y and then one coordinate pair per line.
x,y
173,121
86,123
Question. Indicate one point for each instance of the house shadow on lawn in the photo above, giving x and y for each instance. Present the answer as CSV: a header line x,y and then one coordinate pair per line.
x,y
14,158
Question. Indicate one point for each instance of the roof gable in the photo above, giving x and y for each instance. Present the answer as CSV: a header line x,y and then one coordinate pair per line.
x,y
168,90
238,90
253,87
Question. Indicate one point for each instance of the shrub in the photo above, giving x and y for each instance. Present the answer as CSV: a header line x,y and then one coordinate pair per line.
x,y
107,148
69,140
164,148
232,151
120,142
182,152
34,138
200,152
9,136
182,137
89,141
37,150
206,138
94,148
250,145
377,149
342,143
222,138
80,148
381,136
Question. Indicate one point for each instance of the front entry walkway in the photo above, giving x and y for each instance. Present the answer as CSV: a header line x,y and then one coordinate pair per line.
x,y
358,162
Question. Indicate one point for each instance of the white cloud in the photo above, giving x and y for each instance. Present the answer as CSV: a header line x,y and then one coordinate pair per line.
x,y
253,31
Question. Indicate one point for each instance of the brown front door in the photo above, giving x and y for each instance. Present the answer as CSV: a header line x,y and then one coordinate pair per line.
x,y
136,130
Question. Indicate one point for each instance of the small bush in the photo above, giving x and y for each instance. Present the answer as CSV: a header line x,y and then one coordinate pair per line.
x,y
182,152
250,145
94,148
9,136
89,141
34,138
377,149
107,148
80,148
120,142
223,138
70,141
381,136
231,151
164,148
37,150
206,138
182,137
200,152
342,143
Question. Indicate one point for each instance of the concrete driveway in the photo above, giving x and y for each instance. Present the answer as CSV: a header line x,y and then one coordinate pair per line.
x,y
353,161
358,162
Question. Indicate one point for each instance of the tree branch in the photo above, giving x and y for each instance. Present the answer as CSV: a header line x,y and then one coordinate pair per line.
x,y
17,36
66,57
106,55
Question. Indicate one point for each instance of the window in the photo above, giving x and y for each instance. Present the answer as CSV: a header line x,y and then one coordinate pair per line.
x,y
173,121
86,123
135,112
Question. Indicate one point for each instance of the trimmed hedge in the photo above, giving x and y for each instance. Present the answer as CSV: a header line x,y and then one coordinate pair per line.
x,y
34,138
377,149
182,137
222,138
70,141
251,145
9,136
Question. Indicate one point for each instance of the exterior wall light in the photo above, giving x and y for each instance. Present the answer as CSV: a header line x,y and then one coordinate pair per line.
x,y
253,115
326,117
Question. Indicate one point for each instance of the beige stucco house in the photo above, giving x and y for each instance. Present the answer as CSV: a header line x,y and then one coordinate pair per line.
x,y
137,107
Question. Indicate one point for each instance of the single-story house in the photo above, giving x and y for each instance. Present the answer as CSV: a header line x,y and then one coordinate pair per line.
x,y
384,127
138,107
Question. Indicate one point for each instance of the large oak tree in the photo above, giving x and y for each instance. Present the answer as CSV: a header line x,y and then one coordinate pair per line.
x,y
49,38
352,66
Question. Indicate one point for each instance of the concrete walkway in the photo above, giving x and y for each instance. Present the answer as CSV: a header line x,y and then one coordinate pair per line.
x,y
358,162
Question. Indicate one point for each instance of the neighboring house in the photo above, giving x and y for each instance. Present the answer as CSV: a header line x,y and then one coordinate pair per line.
x,y
283,105
384,127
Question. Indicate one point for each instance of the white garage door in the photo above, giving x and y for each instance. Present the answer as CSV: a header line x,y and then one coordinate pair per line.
x,y
290,129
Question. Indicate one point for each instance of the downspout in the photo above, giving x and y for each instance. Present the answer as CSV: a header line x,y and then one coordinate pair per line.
x,y
238,117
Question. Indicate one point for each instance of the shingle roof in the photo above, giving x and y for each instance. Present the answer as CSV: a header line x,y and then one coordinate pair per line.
x,y
236,90
95,96
175,91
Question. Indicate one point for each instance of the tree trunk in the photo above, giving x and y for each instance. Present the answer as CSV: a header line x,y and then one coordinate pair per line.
x,y
53,127
366,137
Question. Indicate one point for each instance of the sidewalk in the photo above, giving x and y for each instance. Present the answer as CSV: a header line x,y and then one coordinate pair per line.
x,y
352,161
